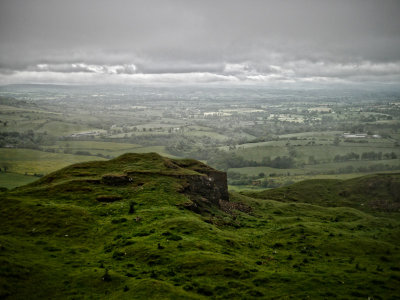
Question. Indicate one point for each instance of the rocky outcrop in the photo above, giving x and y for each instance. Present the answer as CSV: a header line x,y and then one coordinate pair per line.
x,y
206,187
211,187
116,179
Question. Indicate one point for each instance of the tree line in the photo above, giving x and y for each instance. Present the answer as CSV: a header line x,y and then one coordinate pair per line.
x,y
371,155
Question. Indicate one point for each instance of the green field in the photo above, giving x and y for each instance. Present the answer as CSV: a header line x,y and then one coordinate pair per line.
x,y
210,134
12,180
263,124
313,156
324,151
62,128
356,164
258,153
254,171
95,147
158,149
27,161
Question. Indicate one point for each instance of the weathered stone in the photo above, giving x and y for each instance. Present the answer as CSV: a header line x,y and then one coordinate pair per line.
x,y
210,187
116,179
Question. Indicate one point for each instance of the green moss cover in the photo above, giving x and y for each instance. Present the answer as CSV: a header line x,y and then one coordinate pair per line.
x,y
58,240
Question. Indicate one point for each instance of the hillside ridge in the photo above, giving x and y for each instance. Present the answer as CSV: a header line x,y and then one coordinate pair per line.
x,y
377,192
143,226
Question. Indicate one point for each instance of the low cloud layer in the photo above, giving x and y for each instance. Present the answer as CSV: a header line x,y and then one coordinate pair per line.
x,y
176,41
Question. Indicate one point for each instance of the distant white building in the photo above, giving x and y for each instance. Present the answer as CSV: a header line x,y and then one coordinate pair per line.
x,y
87,133
355,135
217,113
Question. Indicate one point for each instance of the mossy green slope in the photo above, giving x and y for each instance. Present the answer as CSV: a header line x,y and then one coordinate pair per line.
x,y
57,241
372,193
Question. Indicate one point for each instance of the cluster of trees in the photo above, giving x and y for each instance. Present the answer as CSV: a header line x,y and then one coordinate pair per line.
x,y
359,141
235,178
225,160
279,162
346,157
377,155
27,139
365,156
372,168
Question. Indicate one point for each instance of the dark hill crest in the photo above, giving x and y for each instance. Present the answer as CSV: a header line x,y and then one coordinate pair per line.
x,y
123,177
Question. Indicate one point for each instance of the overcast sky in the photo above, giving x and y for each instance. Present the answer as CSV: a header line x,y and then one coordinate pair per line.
x,y
218,41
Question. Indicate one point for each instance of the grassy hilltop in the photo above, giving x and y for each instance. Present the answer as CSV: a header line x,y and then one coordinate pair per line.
x,y
370,193
138,227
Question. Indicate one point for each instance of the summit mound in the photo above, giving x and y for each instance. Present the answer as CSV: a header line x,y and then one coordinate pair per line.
x,y
129,175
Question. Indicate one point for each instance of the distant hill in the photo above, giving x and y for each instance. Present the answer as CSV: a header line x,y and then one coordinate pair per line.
x,y
379,192
143,226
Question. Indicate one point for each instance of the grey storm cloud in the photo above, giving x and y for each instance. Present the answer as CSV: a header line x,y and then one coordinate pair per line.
x,y
220,40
